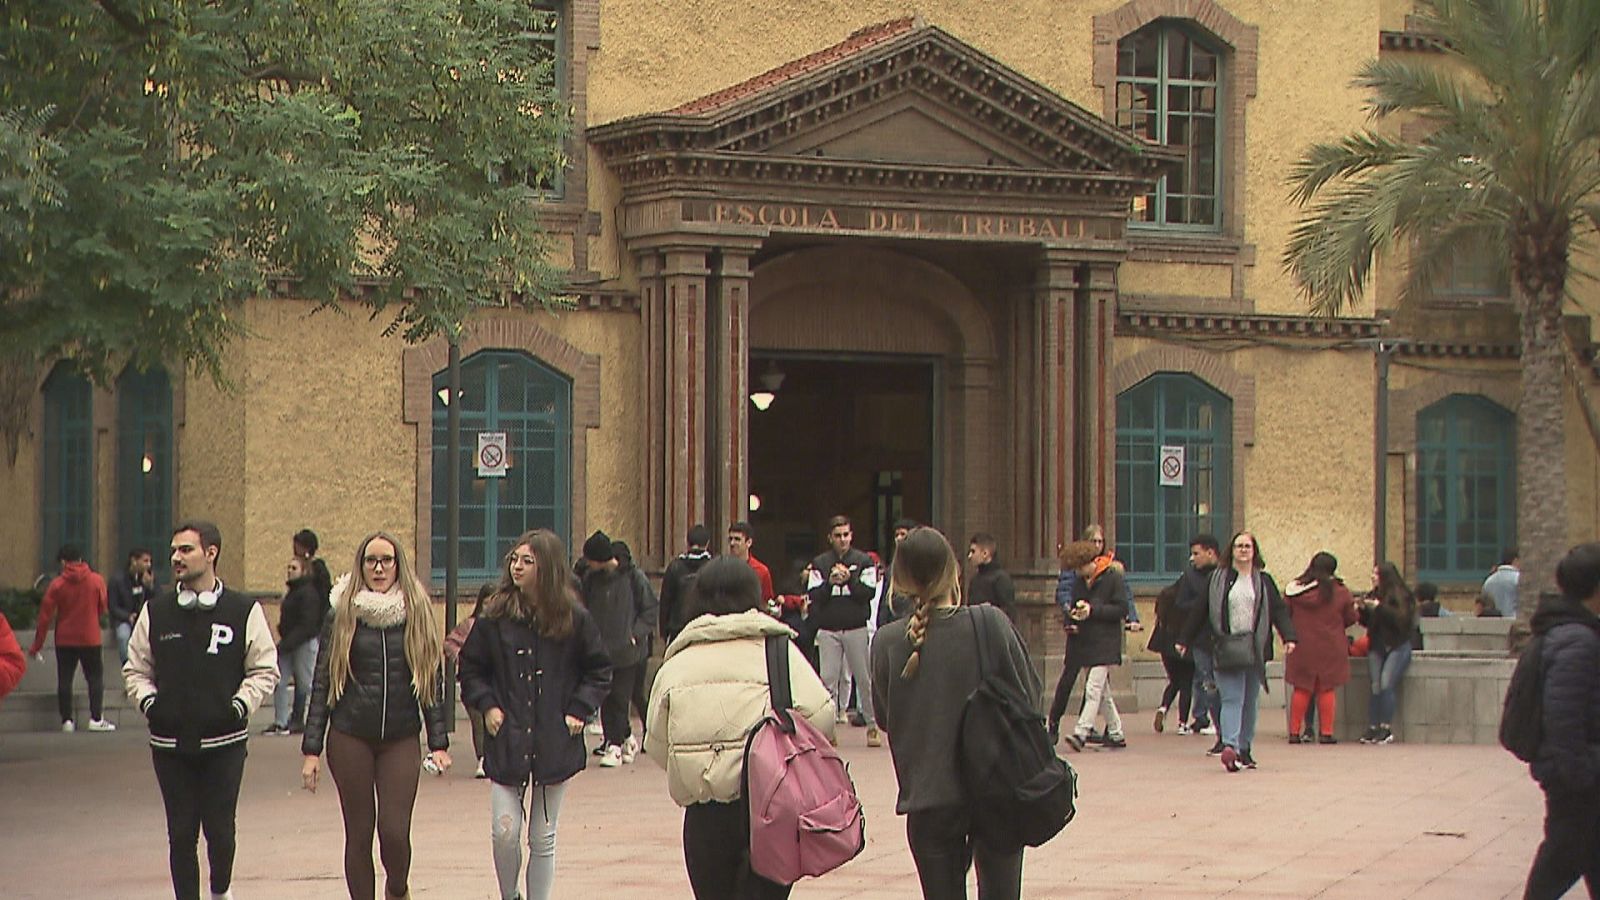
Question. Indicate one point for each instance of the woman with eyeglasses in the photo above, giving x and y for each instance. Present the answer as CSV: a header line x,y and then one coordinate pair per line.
x,y
537,669
379,682
1244,607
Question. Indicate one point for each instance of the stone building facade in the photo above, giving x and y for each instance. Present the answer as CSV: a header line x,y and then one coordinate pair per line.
x,y
980,262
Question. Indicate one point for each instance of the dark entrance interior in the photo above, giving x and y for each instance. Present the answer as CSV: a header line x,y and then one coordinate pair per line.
x,y
843,434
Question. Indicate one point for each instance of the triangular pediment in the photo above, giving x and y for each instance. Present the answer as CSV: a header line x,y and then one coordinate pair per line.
x,y
901,94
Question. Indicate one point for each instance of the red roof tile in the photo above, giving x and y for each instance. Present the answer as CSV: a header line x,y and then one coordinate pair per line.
x,y
855,43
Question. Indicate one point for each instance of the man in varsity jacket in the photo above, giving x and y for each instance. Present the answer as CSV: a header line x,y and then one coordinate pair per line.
x,y
200,660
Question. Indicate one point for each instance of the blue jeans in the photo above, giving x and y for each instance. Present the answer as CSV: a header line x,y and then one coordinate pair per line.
x,y
295,666
1386,667
1207,702
1241,691
124,632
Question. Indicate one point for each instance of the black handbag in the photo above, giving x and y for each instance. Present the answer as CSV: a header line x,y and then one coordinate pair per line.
x,y
1236,651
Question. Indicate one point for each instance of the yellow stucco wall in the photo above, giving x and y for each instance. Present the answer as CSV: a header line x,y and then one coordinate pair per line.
x,y
19,528
1167,280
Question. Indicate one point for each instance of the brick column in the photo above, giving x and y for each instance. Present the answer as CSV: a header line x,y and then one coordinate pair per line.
x,y
684,279
729,388
1047,423
1097,315
652,350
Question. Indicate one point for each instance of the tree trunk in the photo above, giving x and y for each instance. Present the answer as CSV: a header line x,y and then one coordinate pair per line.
x,y
1539,263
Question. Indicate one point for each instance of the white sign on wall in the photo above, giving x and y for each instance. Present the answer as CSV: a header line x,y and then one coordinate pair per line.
x,y
1171,466
493,457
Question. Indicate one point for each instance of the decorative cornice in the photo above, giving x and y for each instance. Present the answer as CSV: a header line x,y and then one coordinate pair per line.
x,y
1218,324
1414,41
1459,349
590,296
1061,147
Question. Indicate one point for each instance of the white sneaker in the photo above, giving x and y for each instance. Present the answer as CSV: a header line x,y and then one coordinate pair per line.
x,y
1183,728
225,895
1209,729
594,727
68,727
612,757
630,749
101,725
480,773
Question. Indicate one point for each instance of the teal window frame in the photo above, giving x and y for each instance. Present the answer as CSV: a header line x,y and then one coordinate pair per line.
x,y
510,391
145,463
66,499
1170,86
553,34
1466,487
1155,523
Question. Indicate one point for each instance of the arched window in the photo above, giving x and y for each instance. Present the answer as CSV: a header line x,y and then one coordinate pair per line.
x,y
1169,85
1156,521
511,392
66,497
144,463
1466,487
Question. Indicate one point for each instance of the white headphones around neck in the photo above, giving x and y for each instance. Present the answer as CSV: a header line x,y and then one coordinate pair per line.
x,y
188,599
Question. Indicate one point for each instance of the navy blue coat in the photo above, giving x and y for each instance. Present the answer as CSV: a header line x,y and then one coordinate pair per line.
x,y
1569,753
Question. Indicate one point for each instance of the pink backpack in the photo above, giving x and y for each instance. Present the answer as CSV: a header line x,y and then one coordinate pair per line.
x,y
805,818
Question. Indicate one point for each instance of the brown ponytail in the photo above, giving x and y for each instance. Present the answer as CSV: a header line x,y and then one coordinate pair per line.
x,y
925,568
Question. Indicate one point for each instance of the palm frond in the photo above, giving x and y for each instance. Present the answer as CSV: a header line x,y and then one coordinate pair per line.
x,y
1404,85
1348,158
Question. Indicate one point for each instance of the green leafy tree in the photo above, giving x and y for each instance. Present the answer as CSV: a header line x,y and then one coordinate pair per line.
x,y
161,161
1511,160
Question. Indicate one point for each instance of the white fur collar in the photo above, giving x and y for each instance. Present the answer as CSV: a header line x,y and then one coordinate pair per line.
x,y
384,610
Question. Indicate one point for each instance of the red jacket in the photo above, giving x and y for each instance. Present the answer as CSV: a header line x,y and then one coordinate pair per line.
x,y
1321,658
765,575
12,662
79,595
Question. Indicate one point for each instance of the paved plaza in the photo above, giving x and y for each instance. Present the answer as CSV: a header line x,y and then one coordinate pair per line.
x,y
82,818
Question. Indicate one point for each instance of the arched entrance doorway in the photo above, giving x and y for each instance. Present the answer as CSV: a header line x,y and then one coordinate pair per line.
x,y
874,348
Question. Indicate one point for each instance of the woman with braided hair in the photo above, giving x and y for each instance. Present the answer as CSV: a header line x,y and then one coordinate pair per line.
x,y
922,666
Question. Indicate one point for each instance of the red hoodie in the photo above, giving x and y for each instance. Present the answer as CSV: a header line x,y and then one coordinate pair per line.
x,y
79,595
12,662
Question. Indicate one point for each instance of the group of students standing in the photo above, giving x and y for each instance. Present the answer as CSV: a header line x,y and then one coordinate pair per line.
x,y
1214,630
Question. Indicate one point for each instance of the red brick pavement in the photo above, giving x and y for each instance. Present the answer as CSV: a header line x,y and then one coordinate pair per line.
x,y
82,818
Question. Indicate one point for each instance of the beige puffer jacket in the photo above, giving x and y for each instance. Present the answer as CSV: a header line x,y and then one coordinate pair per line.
x,y
711,690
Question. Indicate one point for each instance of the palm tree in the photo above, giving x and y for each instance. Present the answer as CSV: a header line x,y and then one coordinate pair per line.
x,y
1511,159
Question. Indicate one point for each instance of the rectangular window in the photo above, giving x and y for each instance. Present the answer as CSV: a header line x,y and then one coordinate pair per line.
x,y
67,494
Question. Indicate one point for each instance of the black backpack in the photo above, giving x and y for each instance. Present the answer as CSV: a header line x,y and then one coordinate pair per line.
x,y
1522,717
1021,794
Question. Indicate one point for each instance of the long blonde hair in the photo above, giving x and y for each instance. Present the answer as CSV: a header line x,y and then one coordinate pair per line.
x,y
424,634
553,599
925,569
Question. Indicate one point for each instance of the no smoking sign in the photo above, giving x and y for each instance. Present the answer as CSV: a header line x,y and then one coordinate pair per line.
x,y
1171,466
493,458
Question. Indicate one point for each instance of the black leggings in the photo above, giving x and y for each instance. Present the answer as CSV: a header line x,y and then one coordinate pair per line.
x,y
1180,684
1058,704
200,790
943,848
377,788
716,851
68,660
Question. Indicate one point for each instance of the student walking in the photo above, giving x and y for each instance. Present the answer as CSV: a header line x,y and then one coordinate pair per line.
x,y
1567,765
74,603
1390,615
536,667
1193,639
200,660
923,667
1321,608
626,619
1243,608
453,642
1179,667
1094,643
710,692
300,619
379,681
841,583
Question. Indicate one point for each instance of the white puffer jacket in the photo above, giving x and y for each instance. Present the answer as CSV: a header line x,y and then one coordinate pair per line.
x,y
711,690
